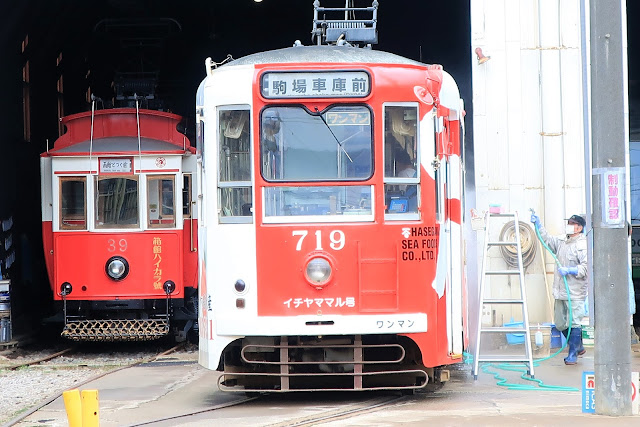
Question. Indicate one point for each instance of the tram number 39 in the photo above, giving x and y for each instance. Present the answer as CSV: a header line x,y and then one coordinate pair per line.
x,y
111,245
336,239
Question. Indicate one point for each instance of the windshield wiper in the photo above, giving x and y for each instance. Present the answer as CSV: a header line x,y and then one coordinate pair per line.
x,y
334,135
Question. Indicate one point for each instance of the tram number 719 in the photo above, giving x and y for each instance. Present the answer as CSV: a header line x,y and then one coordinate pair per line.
x,y
336,238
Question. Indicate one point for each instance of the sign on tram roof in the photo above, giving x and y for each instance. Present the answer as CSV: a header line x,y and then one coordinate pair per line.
x,y
316,84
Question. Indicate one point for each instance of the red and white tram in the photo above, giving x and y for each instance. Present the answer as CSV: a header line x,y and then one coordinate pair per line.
x,y
120,235
331,253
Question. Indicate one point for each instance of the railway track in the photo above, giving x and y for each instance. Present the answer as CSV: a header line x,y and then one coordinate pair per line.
x,y
40,359
343,413
339,412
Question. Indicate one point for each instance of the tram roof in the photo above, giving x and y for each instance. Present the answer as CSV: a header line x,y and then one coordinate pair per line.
x,y
118,144
321,54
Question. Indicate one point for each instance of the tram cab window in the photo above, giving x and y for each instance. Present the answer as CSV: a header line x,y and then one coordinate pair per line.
x,y
301,145
160,202
73,203
234,154
401,166
117,202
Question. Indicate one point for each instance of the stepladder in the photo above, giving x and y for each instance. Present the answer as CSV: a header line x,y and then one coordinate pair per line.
x,y
502,296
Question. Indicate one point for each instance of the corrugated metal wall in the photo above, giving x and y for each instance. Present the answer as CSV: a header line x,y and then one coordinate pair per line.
x,y
528,124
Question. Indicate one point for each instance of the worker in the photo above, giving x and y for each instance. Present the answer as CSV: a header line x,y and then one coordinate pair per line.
x,y
571,251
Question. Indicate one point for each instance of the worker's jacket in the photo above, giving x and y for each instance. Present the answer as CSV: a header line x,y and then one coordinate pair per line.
x,y
571,252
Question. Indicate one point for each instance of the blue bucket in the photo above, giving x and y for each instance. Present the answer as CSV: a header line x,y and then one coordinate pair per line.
x,y
515,338
557,339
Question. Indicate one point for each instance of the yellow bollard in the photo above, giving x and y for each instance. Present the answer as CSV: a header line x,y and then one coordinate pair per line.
x,y
90,415
73,406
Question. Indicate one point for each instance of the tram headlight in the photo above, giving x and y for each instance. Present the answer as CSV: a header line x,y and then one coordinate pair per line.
x,y
318,271
117,268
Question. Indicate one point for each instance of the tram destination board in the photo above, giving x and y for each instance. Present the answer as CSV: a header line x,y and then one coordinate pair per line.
x,y
317,84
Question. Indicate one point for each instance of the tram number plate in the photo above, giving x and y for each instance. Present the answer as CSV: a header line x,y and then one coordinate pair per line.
x,y
336,239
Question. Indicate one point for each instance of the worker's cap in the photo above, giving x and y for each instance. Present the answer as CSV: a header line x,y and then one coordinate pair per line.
x,y
578,220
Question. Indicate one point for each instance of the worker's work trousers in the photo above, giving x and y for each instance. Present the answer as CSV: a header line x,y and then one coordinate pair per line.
x,y
561,313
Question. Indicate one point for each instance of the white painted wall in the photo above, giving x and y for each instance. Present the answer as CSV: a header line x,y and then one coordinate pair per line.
x,y
528,127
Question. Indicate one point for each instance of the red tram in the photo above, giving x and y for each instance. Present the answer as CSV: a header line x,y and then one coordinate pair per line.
x,y
120,234
332,182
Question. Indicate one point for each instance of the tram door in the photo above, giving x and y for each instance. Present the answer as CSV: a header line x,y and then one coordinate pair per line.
x,y
449,277
454,198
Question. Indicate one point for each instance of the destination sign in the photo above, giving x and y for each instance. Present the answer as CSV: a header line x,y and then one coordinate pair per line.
x,y
329,84
117,165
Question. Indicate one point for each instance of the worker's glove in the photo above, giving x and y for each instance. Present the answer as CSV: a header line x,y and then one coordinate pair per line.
x,y
568,270
535,219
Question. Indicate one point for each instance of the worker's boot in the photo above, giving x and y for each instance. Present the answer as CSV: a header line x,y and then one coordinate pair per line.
x,y
581,350
574,341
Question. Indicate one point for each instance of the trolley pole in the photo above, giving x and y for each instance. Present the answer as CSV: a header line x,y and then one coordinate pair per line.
x,y
610,239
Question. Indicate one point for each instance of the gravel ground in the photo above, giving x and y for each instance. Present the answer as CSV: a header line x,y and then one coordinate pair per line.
x,y
26,387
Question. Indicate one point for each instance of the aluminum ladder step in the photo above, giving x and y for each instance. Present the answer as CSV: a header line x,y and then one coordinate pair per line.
x,y
502,301
503,358
504,329
501,272
502,243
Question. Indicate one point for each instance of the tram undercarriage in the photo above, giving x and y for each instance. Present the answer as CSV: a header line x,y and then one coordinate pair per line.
x,y
128,320
336,363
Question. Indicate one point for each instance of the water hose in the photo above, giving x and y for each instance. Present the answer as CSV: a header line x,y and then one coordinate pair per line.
x,y
518,367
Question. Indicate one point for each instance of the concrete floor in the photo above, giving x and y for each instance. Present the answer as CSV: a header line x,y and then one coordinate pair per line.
x,y
171,387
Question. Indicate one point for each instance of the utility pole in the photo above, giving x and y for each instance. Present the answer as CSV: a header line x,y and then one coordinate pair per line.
x,y
610,246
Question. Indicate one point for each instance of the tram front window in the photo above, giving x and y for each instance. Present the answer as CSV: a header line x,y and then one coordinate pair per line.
x,y
301,145
161,210
116,203
319,201
298,145
73,214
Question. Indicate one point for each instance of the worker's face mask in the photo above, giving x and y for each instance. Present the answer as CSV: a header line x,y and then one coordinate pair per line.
x,y
570,229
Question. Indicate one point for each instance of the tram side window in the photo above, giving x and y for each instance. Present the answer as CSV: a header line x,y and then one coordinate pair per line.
x,y
234,179
401,168
186,195
200,137
160,205
117,202
73,207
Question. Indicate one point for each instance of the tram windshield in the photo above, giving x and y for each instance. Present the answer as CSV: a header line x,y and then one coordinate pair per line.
x,y
116,202
300,145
